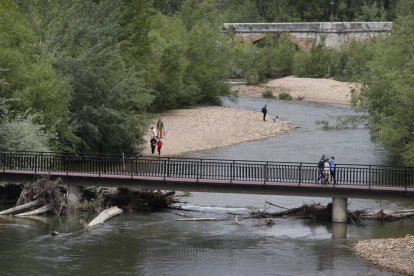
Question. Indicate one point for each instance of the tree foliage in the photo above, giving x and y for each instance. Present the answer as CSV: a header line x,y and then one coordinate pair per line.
x,y
19,132
308,11
388,94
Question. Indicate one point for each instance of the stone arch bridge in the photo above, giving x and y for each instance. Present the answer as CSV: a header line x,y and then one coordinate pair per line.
x,y
305,34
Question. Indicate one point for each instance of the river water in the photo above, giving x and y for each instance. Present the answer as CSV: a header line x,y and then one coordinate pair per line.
x,y
160,244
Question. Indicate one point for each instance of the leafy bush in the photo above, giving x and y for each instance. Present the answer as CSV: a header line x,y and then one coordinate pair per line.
x,y
252,76
285,96
268,94
318,62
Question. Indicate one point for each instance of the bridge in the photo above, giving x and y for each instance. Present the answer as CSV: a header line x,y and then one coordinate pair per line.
x,y
212,175
305,34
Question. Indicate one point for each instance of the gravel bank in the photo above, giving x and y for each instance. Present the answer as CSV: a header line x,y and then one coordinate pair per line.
x,y
204,128
396,255
310,89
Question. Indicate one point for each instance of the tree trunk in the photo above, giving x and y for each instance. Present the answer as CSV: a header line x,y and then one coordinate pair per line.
x,y
38,211
105,215
20,207
388,215
199,219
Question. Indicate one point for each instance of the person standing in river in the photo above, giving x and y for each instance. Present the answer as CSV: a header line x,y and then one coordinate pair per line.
x,y
332,169
264,111
160,127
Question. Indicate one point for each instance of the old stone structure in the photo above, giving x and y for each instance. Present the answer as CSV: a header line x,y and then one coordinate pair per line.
x,y
305,34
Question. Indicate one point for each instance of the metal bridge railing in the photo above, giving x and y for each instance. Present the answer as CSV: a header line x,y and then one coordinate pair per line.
x,y
203,169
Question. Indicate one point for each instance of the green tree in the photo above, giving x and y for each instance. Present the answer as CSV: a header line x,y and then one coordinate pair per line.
x,y
28,74
19,132
276,58
169,47
317,62
388,94
207,52
97,52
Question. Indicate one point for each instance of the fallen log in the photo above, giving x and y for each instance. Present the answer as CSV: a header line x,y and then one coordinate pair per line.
x,y
38,211
105,215
199,219
387,215
276,205
20,207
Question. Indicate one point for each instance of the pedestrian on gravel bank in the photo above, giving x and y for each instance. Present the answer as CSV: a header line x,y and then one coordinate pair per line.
x,y
264,111
159,146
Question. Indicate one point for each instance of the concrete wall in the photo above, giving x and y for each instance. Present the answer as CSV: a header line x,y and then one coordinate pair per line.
x,y
305,34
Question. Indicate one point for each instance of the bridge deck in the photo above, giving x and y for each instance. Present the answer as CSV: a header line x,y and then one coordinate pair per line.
x,y
217,185
208,175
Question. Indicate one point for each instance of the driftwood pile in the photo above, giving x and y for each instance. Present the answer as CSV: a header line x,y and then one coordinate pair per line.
x,y
319,212
42,196
140,199
50,196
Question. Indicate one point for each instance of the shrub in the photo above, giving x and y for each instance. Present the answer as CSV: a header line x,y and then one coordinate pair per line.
x,y
285,96
268,94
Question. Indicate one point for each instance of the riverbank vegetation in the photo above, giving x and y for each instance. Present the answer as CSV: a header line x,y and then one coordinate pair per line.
x,y
87,76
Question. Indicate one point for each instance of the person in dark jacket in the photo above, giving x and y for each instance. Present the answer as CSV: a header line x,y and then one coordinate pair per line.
x,y
321,165
264,111
153,143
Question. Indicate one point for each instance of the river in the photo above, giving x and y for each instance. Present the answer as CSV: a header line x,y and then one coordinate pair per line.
x,y
159,244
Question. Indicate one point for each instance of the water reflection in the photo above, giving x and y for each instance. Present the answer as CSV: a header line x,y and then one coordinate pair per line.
x,y
339,230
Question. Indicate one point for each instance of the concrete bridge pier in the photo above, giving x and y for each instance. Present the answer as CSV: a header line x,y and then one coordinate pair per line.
x,y
339,209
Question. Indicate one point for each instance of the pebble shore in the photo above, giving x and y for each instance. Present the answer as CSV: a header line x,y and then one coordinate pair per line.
x,y
204,128
395,255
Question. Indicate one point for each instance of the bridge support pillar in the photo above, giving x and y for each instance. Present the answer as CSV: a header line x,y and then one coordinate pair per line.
x,y
339,209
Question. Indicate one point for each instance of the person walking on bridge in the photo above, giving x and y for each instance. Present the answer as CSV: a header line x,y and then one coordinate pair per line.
x,y
326,171
332,169
321,165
